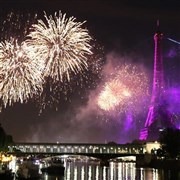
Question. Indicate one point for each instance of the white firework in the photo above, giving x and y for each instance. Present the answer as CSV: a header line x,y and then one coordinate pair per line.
x,y
62,44
20,76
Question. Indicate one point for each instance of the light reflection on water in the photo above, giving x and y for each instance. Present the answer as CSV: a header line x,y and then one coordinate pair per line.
x,y
92,170
115,171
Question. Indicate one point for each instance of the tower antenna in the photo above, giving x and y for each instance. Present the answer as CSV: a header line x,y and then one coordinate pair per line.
x,y
158,23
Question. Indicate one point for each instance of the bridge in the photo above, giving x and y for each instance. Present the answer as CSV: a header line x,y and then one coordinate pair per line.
x,y
79,149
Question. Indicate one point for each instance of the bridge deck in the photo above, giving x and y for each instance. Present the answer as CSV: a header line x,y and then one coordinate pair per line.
x,y
64,148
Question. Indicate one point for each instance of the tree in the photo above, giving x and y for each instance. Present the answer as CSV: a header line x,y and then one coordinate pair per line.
x,y
2,137
5,139
170,141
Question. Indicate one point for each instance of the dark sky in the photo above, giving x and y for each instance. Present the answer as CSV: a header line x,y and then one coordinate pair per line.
x,y
123,28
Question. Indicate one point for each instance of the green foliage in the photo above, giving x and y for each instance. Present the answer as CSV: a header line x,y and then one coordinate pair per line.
x,y
170,142
160,152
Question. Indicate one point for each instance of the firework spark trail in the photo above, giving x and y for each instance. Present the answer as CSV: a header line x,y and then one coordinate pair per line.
x,y
20,76
59,47
55,93
16,24
62,44
124,90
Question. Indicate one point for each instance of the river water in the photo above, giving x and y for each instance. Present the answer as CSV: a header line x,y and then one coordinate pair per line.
x,y
115,171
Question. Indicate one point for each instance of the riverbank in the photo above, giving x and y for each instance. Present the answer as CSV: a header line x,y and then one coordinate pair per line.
x,y
165,164
152,161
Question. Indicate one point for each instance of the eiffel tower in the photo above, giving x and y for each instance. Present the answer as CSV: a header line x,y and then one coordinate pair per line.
x,y
158,116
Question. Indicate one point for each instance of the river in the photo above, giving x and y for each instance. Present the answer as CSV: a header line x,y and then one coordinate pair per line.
x,y
115,171
91,169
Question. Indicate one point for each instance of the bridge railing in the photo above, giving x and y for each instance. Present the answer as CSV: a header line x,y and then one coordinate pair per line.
x,y
57,148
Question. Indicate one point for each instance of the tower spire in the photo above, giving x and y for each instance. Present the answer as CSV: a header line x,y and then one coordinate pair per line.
x,y
158,117
158,23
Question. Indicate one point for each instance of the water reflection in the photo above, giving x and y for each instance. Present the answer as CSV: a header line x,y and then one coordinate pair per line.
x,y
148,173
122,171
93,170
47,177
115,171
82,171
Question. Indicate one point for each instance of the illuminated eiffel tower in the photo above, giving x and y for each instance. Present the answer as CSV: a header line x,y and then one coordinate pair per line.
x,y
158,117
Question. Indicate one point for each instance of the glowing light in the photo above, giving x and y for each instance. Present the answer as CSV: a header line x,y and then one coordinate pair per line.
x,y
177,42
54,93
62,44
114,92
20,76
124,89
4,158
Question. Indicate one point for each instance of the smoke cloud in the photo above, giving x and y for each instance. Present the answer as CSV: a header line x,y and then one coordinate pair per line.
x,y
82,121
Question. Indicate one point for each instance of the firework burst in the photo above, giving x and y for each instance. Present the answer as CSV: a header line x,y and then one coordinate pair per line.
x,y
62,44
57,93
113,94
124,90
20,76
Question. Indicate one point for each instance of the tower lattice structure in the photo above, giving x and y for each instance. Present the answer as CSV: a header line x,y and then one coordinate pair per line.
x,y
158,116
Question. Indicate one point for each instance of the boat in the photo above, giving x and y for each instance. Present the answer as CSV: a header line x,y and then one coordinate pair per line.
x,y
54,168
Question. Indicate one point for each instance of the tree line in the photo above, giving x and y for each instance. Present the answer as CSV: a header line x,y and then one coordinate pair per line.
x,y
5,139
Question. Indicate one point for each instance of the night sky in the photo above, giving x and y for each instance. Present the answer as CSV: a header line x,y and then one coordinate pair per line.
x,y
125,30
